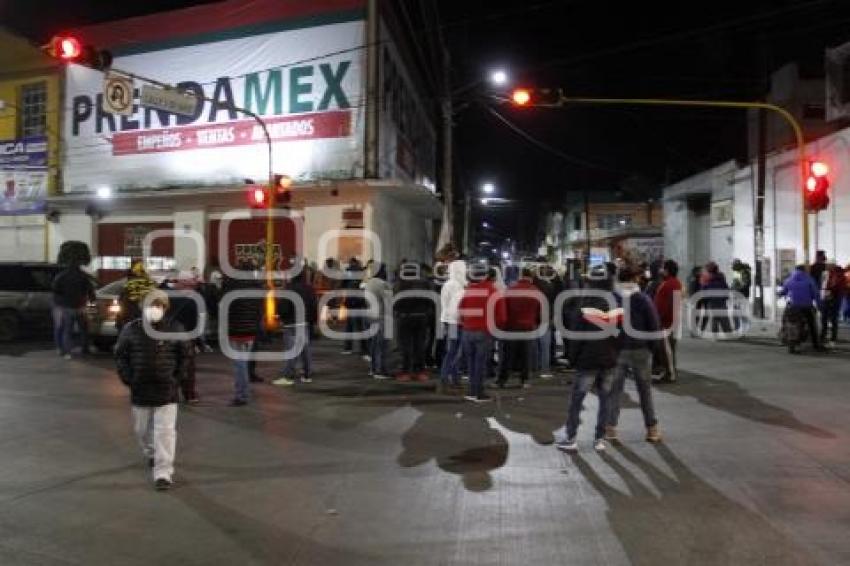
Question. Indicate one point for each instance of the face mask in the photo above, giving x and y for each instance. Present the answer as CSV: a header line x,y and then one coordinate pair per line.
x,y
154,314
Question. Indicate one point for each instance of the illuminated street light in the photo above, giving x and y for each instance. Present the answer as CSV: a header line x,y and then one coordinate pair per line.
x,y
489,188
499,77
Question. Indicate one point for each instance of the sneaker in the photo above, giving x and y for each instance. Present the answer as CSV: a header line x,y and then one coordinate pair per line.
x,y
483,399
599,445
367,358
526,385
464,378
567,445
306,379
653,435
284,382
208,349
238,403
472,398
403,377
381,376
546,375
611,434
346,352
162,484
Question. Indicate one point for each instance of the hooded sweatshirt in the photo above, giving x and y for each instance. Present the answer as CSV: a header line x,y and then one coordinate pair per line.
x,y
452,292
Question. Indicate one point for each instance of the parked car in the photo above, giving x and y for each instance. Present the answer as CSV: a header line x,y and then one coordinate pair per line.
x,y
26,299
105,310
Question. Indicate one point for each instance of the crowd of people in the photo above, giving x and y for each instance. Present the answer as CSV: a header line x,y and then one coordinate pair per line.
x,y
473,324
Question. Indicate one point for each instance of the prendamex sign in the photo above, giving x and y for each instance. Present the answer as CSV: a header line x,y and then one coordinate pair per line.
x,y
312,113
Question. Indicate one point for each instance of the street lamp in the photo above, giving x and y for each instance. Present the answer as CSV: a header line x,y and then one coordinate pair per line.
x,y
499,77
489,188
104,193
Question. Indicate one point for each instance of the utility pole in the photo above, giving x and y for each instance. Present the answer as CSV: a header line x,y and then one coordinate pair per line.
x,y
758,283
447,227
370,169
467,218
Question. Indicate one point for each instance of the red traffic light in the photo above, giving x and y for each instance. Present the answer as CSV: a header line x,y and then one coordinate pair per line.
x,y
257,197
67,48
817,187
521,96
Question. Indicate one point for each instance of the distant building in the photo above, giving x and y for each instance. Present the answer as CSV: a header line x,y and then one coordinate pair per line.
x,y
631,231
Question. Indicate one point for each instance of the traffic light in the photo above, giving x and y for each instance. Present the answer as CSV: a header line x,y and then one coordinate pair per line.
x,y
257,196
283,194
816,189
521,96
70,49
536,97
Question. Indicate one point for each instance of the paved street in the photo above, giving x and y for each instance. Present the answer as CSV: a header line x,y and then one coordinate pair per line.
x,y
754,470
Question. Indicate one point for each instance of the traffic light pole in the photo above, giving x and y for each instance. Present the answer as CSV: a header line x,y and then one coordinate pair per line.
x,y
795,125
272,193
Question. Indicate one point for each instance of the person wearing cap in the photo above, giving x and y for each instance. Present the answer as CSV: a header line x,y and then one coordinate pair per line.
x,y
153,367
138,285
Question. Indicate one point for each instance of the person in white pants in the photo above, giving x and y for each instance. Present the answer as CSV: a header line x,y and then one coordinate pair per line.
x,y
152,356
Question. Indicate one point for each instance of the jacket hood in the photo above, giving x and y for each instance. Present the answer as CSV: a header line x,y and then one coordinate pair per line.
x,y
457,271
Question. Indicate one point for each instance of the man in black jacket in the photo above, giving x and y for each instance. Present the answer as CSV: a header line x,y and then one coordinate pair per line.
x,y
244,317
593,353
412,314
153,367
72,289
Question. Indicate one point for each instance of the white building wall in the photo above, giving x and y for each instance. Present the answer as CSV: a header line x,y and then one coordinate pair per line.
x,y
189,252
71,226
319,220
22,238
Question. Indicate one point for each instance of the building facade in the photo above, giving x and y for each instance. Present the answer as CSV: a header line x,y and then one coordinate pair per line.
x,y
628,231
29,146
358,142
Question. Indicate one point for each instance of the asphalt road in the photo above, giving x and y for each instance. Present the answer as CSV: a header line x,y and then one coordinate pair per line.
x,y
754,470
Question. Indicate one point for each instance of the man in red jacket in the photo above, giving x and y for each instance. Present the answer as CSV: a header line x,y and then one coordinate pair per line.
x,y
477,326
523,308
667,301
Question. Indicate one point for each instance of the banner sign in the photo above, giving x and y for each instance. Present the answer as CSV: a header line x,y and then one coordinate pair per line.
x,y
23,175
306,84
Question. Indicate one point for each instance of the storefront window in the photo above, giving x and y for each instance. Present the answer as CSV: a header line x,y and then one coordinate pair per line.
x,y
33,109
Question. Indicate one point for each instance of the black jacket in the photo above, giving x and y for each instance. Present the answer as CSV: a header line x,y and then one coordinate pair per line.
x,y
243,318
413,306
153,369
72,288
642,317
286,309
591,354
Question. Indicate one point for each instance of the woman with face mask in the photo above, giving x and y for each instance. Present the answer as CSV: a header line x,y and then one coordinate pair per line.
x,y
152,356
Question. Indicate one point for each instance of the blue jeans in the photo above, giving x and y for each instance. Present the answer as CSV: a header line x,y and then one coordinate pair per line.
x,y
297,339
477,347
638,363
64,319
378,349
603,379
241,378
544,350
450,369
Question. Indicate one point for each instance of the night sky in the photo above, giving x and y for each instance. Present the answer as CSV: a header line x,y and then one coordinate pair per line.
x,y
717,50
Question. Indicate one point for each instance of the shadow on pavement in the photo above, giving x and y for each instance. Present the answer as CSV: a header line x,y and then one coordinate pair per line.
x,y
730,397
459,439
264,542
687,521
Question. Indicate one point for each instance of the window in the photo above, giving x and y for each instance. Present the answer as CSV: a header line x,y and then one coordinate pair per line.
x,y
33,108
613,221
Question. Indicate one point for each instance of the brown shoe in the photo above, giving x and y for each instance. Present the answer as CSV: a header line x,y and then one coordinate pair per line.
x,y
611,434
653,435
